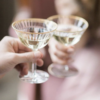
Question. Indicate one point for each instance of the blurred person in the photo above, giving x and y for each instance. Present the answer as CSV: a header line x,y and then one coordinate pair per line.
x,y
14,54
85,85
35,9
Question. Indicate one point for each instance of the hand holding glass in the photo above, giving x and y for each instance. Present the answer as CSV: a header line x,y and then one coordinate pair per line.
x,y
69,32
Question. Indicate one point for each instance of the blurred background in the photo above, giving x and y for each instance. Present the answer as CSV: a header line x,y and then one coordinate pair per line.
x,y
7,11
8,84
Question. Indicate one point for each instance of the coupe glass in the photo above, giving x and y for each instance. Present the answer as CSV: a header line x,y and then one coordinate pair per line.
x,y
69,32
35,34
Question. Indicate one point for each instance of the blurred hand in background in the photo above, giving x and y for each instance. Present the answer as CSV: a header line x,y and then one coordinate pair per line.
x,y
59,53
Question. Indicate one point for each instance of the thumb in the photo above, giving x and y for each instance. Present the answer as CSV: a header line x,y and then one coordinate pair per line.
x,y
28,57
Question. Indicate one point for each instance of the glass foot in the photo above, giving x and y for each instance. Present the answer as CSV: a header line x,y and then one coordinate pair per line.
x,y
38,77
62,71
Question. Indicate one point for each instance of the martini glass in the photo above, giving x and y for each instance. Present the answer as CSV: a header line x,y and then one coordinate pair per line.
x,y
35,34
69,32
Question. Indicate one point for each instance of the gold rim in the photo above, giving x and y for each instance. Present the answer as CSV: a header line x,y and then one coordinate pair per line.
x,y
35,20
51,18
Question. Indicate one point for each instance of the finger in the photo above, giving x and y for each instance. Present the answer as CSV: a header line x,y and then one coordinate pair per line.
x,y
71,49
62,55
59,61
20,51
39,62
24,71
68,49
58,46
18,67
28,57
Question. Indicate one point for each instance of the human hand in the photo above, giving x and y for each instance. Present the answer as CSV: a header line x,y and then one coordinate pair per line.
x,y
13,54
60,53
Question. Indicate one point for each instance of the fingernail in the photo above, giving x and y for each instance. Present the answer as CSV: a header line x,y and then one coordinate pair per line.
x,y
37,54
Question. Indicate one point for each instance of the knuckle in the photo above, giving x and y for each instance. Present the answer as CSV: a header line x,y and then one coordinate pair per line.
x,y
55,53
61,57
55,61
63,62
6,37
28,59
66,56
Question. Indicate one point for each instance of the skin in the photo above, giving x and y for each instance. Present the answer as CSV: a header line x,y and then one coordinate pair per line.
x,y
13,54
60,53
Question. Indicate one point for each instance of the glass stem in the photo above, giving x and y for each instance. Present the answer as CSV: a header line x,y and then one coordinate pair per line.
x,y
34,67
